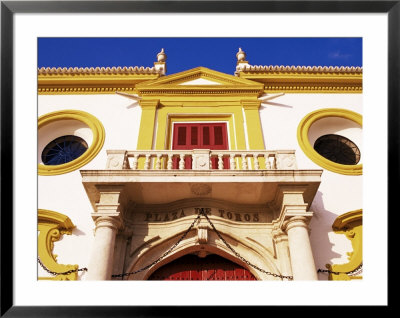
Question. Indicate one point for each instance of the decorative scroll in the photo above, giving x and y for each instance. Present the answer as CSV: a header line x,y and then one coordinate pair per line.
x,y
349,224
51,226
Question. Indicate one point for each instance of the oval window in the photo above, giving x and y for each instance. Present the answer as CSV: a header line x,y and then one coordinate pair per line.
x,y
63,149
67,140
338,149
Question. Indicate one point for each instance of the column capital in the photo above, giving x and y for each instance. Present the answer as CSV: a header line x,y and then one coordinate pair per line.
x,y
111,221
109,204
289,211
296,221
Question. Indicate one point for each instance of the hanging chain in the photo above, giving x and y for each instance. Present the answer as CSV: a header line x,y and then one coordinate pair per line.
x,y
162,256
202,212
64,273
337,273
238,255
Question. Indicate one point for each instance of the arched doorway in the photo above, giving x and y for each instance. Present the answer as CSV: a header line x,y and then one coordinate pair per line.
x,y
192,267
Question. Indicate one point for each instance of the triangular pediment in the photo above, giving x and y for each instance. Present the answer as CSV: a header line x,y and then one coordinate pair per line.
x,y
199,79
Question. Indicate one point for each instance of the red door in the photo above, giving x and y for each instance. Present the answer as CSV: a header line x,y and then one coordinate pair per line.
x,y
211,267
200,136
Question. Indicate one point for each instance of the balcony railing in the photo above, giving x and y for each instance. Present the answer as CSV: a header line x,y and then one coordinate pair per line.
x,y
201,159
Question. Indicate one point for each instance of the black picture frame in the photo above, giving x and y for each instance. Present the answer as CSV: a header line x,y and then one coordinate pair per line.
x,y
9,8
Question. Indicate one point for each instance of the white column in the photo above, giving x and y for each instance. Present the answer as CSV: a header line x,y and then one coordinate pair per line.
x,y
108,220
301,257
101,262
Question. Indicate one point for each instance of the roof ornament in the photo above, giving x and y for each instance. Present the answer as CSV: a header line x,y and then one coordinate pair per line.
x,y
161,57
241,55
241,63
160,65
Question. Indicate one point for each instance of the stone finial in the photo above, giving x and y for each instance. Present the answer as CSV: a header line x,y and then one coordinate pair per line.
x,y
161,57
241,55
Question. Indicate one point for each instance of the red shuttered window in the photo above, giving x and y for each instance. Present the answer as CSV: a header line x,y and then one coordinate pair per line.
x,y
188,136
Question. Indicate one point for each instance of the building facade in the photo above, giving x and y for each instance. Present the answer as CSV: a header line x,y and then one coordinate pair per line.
x,y
200,175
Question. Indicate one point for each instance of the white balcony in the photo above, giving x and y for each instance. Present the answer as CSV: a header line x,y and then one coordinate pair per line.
x,y
202,159
253,177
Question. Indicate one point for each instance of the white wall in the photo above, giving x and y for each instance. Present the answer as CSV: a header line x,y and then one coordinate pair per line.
x,y
280,118
337,193
65,193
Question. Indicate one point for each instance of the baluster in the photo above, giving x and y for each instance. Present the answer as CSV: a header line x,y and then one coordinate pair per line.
x,y
182,161
256,163
158,162
272,162
220,162
232,161
267,164
147,162
135,161
244,162
169,163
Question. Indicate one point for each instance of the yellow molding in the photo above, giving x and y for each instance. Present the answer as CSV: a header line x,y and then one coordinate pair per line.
x,y
97,143
78,90
174,80
349,224
302,138
109,80
51,226
342,82
86,83
195,103
312,89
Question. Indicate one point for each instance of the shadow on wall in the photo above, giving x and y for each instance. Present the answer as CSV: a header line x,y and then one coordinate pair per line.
x,y
78,232
321,225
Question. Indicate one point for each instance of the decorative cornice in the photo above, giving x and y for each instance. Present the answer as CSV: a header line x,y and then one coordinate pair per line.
x,y
300,69
79,89
99,80
248,80
200,90
304,79
97,70
312,88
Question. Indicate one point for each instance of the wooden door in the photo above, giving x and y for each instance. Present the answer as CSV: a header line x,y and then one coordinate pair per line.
x,y
188,136
211,267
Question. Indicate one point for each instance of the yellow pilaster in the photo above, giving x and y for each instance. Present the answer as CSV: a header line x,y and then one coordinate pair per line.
x,y
253,124
147,122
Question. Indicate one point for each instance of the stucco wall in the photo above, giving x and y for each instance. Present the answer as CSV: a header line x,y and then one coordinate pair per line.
x,y
280,118
64,193
337,193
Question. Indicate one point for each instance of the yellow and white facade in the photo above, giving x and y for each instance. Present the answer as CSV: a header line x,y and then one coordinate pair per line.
x,y
271,199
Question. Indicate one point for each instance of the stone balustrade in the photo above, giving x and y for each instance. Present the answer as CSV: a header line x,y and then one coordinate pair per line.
x,y
201,159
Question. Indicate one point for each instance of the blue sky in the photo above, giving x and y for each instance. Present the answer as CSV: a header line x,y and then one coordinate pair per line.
x,y
186,53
